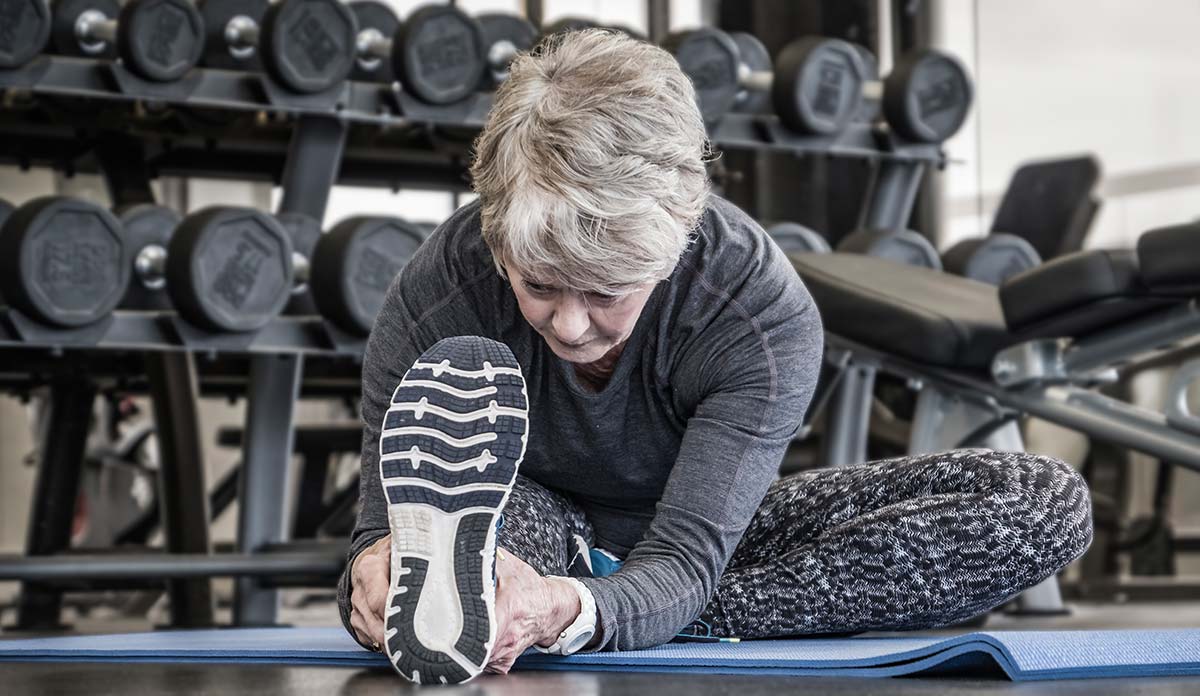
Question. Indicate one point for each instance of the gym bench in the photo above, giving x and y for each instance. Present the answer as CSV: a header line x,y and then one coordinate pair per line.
x,y
980,357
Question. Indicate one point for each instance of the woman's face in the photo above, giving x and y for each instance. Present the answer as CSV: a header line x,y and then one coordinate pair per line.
x,y
579,327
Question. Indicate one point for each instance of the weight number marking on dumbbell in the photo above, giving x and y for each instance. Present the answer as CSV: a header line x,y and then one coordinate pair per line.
x,y
239,271
62,261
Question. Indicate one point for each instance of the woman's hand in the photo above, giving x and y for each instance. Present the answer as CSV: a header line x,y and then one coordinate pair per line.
x,y
530,610
369,578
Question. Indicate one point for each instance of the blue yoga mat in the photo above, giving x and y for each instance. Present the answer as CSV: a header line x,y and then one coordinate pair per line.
x,y
1022,655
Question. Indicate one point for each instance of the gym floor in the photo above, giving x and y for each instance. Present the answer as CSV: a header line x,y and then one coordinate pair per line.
x,y
134,679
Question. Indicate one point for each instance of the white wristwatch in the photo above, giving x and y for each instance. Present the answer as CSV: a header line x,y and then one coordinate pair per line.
x,y
574,637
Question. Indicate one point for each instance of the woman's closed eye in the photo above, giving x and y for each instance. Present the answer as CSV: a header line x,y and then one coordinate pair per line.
x,y
599,300
539,288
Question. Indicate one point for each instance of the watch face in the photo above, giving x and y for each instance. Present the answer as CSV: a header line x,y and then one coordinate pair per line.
x,y
576,644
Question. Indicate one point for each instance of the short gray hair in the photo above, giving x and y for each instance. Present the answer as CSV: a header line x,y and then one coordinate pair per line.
x,y
591,168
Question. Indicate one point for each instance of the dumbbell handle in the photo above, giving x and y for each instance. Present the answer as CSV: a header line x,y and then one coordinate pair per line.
x,y
760,81
241,33
372,44
150,265
301,271
372,48
94,30
501,53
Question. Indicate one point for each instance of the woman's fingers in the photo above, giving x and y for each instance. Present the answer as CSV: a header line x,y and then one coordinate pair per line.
x,y
372,621
361,631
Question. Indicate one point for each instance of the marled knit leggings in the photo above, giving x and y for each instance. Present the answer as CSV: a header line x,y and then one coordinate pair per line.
x,y
906,543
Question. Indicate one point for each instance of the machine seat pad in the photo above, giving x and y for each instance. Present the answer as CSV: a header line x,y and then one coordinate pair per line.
x,y
1170,259
916,313
1067,284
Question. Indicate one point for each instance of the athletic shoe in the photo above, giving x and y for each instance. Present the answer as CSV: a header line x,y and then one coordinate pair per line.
x,y
451,444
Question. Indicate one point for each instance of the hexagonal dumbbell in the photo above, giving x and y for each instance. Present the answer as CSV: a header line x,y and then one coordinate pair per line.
x,y
437,53
62,261
353,265
26,28
305,45
819,84
225,269
158,40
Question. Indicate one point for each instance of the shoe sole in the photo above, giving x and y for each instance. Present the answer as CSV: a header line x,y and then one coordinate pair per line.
x,y
451,443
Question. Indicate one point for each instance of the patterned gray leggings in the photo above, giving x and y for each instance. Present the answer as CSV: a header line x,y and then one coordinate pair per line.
x,y
907,543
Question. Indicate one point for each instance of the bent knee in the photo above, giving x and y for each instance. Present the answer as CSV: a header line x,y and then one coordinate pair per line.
x,y
1057,503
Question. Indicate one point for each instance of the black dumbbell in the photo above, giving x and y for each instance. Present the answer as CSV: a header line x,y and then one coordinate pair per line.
x,y
225,269
62,261
992,259
24,30
344,274
158,40
305,45
795,238
504,36
354,263
902,246
437,53
818,85
149,232
756,59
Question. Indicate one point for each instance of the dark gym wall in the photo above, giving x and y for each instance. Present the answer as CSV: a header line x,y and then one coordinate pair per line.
x,y
821,193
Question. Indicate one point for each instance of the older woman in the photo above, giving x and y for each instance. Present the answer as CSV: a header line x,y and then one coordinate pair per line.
x,y
663,353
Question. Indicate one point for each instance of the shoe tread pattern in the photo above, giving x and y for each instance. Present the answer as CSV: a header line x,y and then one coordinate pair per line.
x,y
408,655
472,572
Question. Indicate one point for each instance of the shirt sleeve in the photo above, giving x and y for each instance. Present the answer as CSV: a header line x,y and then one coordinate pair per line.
x,y
757,373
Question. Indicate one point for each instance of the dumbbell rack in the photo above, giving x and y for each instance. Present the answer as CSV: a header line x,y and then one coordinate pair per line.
x,y
319,153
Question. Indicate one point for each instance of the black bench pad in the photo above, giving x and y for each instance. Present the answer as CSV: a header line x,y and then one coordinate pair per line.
x,y
1068,283
916,313
1170,259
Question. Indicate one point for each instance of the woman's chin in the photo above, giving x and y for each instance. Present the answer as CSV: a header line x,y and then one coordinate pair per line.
x,y
587,353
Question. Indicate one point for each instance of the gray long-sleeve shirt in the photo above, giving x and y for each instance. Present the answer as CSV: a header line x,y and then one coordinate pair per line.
x,y
670,460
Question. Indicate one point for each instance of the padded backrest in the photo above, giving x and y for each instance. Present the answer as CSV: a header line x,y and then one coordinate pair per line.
x,y
1051,204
